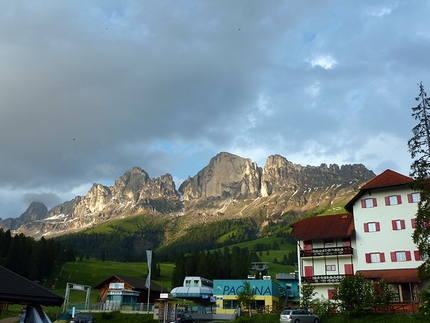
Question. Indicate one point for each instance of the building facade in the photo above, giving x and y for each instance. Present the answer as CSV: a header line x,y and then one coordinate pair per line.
x,y
326,246
374,239
119,290
226,290
384,213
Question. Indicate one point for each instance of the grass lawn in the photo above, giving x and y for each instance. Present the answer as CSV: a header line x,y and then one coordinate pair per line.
x,y
91,272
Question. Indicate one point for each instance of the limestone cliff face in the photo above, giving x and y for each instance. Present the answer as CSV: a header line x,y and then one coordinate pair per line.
x,y
133,192
226,176
229,187
282,176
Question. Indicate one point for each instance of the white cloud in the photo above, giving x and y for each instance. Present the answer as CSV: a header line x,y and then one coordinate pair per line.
x,y
325,61
380,11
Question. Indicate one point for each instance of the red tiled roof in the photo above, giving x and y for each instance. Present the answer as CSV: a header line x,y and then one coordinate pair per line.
x,y
392,276
387,178
324,227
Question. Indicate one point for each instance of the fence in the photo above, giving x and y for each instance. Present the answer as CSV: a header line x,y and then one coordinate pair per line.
x,y
112,306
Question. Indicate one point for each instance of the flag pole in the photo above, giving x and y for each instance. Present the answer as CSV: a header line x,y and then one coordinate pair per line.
x,y
148,279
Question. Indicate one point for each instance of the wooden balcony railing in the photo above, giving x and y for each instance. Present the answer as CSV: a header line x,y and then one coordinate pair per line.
x,y
334,251
324,279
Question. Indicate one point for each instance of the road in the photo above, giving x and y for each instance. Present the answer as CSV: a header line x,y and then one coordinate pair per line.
x,y
11,319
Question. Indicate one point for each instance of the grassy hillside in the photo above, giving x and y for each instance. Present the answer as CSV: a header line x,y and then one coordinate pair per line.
x,y
270,255
92,272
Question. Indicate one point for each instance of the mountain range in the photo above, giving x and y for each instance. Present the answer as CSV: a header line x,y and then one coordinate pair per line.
x,y
229,187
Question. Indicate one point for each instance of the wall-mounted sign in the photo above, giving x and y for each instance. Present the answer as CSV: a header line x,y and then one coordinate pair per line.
x,y
116,286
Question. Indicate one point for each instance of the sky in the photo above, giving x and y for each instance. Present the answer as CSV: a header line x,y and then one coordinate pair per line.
x,y
90,89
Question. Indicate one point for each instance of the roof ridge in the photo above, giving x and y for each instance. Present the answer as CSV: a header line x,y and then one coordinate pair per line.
x,y
387,178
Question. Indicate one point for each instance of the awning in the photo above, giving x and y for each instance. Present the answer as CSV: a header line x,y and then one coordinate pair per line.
x,y
392,276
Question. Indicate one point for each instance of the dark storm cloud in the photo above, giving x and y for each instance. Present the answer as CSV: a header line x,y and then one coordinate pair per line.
x,y
90,89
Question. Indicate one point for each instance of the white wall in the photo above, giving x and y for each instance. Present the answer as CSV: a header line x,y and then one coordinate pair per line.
x,y
386,240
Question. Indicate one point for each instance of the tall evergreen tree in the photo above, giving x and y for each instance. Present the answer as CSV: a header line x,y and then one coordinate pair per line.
x,y
419,148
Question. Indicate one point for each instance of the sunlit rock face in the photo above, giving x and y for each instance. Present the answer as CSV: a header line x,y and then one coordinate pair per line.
x,y
282,176
227,176
228,187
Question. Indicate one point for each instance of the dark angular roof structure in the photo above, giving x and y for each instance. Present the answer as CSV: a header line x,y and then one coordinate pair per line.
x,y
15,289
324,227
388,178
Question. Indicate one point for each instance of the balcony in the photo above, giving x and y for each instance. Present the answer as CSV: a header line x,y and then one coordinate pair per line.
x,y
324,252
324,279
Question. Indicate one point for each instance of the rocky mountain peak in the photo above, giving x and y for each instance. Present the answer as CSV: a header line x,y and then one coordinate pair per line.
x,y
229,186
227,175
35,211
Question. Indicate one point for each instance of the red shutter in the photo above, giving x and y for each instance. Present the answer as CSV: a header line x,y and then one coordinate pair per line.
x,y
408,256
410,200
387,200
417,255
309,271
393,256
378,227
399,199
366,227
331,293
382,257
403,224
363,204
368,258
393,224
349,269
374,202
414,223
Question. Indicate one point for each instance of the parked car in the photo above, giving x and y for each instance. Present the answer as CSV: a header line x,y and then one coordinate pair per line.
x,y
184,318
298,316
83,318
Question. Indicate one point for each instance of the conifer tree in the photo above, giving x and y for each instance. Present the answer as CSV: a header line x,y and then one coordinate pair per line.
x,y
419,148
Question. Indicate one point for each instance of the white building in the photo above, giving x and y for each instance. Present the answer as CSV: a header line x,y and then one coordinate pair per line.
x,y
326,246
382,215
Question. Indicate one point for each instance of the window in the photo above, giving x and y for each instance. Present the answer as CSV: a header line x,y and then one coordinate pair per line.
x,y
328,242
393,200
398,224
375,257
229,304
400,256
330,267
414,197
372,227
414,223
368,203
